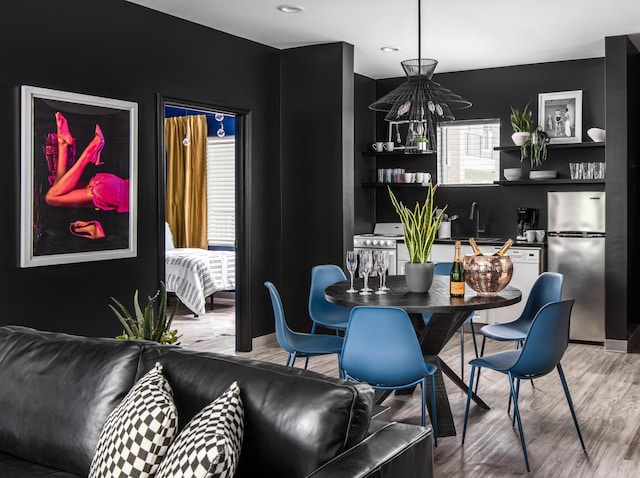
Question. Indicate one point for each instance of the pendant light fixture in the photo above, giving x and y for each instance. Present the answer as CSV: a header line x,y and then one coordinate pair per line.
x,y
420,101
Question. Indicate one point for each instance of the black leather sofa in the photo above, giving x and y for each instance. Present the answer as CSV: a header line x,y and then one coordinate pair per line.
x,y
56,391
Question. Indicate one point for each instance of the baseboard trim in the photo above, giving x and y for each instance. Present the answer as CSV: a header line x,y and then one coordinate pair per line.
x,y
614,345
263,340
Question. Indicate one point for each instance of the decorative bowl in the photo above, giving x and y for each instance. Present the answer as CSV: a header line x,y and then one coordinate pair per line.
x,y
598,135
487,275
543,174
512,174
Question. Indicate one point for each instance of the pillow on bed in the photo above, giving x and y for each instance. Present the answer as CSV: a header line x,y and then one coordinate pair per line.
x,y
168,237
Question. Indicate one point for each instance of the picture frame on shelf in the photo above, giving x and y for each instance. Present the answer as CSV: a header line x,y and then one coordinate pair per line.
x,y
560,115
78,186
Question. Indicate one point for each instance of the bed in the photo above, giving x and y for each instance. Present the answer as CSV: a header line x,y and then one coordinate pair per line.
x,y
195,274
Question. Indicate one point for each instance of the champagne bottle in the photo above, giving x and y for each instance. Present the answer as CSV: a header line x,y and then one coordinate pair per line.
x,y
504,248
456,276
474,246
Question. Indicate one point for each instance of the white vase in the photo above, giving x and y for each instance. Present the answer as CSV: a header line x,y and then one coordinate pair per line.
x,y
520,137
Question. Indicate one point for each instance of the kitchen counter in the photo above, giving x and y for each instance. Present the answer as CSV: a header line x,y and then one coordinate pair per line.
x,y
491,241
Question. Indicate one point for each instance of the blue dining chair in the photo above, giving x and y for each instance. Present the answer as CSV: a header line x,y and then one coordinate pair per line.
x,y
545,344
444,269
321,311
299,344
381,348
547,288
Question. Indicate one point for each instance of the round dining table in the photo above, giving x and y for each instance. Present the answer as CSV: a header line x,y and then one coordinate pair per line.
x,y
448,314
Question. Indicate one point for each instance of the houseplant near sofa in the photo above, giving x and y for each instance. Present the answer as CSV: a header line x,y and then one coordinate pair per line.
x,y
145,325
420,227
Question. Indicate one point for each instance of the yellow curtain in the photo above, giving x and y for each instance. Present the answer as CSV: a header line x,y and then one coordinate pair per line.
x,y
186,202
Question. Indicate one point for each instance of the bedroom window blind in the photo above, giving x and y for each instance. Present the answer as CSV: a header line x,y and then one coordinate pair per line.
x,y
221,191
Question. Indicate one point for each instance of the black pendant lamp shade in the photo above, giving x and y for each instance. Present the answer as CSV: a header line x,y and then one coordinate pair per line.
x,y
419,98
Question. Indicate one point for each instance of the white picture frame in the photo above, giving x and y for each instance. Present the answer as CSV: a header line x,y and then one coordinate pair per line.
x,y
99,227
560,115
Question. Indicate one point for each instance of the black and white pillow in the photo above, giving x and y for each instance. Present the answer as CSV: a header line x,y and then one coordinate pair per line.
x,y
209,445
137,434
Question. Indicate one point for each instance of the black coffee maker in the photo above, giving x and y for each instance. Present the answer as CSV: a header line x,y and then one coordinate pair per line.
x,y
527,219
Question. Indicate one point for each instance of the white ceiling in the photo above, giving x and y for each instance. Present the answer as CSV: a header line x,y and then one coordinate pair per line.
x,y
460,34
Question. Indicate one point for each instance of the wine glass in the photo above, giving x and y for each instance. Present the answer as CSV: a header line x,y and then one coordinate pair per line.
x,y
366,264
352,264
386,258
380,267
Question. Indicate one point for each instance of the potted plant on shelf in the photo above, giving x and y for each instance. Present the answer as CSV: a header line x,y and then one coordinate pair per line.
x,y
420,227
521,124
536,147
145,325
421,143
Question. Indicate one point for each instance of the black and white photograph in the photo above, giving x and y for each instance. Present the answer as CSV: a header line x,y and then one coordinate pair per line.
x,y
560,115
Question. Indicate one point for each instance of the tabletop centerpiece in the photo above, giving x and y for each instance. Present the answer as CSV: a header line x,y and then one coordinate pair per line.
x,y
420,227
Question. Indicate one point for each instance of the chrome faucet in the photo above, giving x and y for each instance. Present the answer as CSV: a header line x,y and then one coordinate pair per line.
x,y
475,214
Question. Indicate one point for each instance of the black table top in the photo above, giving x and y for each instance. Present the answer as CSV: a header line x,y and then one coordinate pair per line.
x,y
436,300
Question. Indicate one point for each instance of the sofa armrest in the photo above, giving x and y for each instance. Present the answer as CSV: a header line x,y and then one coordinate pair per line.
x,y
390,450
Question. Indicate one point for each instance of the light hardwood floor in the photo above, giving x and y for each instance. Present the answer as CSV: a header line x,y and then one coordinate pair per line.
x,y
605,387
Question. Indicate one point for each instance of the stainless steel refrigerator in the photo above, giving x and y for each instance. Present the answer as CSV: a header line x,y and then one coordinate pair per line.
x,y
575,243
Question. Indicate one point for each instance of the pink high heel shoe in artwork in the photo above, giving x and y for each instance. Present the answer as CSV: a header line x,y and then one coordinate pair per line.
x,y
87,229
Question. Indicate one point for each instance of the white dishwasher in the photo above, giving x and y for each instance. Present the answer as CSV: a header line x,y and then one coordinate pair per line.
x,y
527,266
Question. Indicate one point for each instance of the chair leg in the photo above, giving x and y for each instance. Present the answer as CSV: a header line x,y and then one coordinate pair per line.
x,y
516,411
434,415
473,336
466,411
484,340
313,328
462,352
293,359
513,419
569,401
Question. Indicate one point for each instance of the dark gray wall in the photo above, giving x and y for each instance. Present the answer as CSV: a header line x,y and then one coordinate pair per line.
x,y
623,150
492,92
116,49
317,167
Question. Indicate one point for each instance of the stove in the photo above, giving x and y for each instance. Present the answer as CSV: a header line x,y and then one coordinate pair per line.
x,y
385,236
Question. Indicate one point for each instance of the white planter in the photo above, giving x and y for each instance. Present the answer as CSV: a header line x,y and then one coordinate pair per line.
x,y
520,137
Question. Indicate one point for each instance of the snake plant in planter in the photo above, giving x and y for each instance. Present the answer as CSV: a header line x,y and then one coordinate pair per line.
x,y
420,228
521,124
146,325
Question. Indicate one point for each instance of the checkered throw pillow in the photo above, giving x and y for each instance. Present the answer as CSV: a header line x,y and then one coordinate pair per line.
x,y
209,445
137,434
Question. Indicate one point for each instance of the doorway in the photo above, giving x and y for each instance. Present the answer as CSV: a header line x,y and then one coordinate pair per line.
x,y
225,160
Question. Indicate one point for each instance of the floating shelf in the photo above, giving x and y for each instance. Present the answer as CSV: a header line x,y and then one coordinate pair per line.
x,y
555,146
399,152
533,182
394,185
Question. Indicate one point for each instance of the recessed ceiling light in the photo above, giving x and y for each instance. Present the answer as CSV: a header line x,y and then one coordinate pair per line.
x,y
388,49
290,9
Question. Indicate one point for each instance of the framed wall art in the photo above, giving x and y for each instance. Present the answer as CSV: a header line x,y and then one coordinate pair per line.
x,y
78,184
560,114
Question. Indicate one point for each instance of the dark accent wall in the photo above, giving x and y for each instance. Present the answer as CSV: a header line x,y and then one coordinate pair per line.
x,y
115,49
623,153
317,167
492,92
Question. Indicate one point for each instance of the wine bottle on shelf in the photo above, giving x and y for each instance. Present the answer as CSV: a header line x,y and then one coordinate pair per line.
x,y
474,246
504,248
456,276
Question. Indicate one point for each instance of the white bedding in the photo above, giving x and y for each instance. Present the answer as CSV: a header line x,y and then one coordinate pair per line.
x,y
195,274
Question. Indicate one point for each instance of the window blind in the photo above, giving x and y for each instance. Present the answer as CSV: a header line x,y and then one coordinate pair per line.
x,y
221,191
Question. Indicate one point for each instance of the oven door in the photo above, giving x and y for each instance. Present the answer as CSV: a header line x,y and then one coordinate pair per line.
x,y
393,266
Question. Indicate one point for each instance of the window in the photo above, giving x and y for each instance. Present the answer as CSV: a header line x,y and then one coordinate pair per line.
x,y
221,191
465,152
